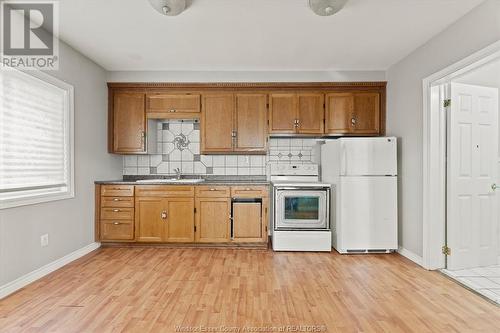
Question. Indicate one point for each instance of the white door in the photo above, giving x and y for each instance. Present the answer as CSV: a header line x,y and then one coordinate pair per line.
x,y
368,156
368,213
472,156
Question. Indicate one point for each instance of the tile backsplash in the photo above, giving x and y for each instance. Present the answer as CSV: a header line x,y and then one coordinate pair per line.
x,y
178,146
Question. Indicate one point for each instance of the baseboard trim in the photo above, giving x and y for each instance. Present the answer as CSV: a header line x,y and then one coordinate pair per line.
x,y
31,277
410,255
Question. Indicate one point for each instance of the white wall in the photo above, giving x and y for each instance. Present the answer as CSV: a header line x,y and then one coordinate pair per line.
x,y
69,223
234,76
476,30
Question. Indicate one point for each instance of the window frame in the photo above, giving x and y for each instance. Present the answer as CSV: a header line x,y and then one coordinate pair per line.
x,y
49,195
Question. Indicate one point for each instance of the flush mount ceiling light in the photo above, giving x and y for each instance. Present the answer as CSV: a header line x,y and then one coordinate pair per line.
x,y
169,7
326,7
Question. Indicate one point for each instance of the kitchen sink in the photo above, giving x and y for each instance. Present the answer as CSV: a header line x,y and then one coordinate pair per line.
x,y
172,181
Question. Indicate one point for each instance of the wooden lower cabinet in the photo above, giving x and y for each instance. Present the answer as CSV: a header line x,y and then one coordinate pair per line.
x,y
117,230
164,219
248,222
181,214
180,220
150,226
213,220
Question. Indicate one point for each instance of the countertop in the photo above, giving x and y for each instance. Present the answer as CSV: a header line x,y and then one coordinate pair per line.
x,y
208,181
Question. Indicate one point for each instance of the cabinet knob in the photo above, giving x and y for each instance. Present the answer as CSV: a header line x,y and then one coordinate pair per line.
x,y
248,189
116,199
116,223
116,210
163,215
212,189
353,121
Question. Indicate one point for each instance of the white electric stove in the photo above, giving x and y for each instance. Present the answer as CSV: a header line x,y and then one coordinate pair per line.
x,y
300,208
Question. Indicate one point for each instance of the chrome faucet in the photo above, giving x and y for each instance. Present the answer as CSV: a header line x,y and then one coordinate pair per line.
x,y
178,173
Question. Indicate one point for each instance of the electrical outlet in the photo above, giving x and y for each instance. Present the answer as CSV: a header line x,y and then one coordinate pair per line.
x,y
44,240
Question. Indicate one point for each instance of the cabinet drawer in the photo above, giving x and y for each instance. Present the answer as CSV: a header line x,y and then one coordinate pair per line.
x,y
117,190
173,103
117,213
213,191
117,230
166,191
249,191
117,202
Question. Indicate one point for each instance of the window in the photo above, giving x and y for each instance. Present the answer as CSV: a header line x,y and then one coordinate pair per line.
x,y
36,138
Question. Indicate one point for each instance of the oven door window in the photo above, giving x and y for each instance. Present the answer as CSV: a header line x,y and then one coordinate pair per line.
x,y
301,208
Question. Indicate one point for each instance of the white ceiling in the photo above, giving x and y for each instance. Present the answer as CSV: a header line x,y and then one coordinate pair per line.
x,y
249,35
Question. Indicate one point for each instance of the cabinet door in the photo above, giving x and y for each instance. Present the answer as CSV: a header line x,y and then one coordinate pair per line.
x,y
282,113
251,122
217,123
366,113
212,220
311,113
173,103
180,220
339,112
247,222
150,219
129,123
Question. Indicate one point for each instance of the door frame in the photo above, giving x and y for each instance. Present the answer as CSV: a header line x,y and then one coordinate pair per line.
x,y
434,154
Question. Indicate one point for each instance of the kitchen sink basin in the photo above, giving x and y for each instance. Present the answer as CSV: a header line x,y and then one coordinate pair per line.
x,y
172,181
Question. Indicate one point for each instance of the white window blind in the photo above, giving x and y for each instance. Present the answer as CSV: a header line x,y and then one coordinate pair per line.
x,y
35,140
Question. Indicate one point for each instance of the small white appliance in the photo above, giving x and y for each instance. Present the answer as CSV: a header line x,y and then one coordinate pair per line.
x,y
300,208
364,207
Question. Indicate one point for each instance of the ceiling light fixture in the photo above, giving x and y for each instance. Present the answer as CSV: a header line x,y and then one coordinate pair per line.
x,y
326,7
169,7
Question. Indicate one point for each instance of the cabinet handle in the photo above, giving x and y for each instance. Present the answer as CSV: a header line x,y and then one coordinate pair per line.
x,y
116,199
248,189
143,138
213,189
173,110
116,223
353,121
163,215
116,210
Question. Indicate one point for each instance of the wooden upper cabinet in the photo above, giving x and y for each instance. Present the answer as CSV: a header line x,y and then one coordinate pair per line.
x,y
251,122
311,113
128,135
217,123
173,105
282,113
366,113
355,113
339,109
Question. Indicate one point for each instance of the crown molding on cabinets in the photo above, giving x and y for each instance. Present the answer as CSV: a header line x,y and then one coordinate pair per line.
x,y
247,85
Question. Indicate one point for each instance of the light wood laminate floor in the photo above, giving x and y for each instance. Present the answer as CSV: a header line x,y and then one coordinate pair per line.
x,y
156,289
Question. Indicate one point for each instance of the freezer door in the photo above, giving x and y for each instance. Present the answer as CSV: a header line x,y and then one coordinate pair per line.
x,y
368,156
367,217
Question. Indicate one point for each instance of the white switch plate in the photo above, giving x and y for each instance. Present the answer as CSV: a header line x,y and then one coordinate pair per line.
x,y
44,240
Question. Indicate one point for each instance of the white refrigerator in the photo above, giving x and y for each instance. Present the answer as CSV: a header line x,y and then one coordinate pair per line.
x,y
364,210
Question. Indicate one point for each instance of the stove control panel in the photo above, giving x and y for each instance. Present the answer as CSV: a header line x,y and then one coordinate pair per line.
x,y
294,169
